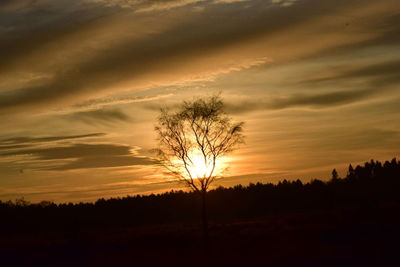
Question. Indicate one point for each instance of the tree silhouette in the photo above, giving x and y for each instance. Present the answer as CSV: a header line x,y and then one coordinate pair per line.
x,y
350,173
192,141
335,175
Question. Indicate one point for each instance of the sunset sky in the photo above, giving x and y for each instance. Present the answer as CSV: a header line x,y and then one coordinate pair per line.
x,y
317,83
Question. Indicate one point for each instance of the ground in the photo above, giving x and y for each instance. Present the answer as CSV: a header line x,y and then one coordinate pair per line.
x,y
351,237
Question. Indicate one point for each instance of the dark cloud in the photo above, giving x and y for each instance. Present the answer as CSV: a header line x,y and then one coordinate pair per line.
x,y
28,26
85,156
99,116
105,162
387,32
159,53
319,100
8,147
377,77
7,5
386,72
25,139
310,100
74,151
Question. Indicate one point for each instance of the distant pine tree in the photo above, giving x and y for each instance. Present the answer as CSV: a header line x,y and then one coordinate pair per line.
x,y
350,173
335,175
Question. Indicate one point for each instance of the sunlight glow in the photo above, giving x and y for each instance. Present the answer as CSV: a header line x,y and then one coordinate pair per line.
x,y
200,168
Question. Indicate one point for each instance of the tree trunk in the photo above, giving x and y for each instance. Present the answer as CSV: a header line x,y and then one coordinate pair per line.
x,y
204,214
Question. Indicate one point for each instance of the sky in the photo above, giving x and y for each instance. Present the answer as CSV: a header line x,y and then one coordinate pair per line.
x,y
316,82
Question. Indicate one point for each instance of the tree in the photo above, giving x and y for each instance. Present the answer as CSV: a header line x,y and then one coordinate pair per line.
x,y
350,173
193,140
335,175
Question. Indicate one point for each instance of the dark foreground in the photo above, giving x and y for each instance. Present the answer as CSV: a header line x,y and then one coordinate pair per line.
x,y
349,237
352,221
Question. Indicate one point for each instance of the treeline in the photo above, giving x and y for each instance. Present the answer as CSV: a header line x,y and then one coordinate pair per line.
x,y
370,186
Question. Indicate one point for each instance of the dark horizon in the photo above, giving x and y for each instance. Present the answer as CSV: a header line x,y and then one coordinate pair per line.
x,y
378,171
349,221
81,84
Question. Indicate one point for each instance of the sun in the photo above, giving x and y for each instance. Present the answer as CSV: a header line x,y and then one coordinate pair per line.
x,y
199,167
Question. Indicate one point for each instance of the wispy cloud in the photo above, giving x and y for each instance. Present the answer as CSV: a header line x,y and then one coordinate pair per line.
x,y
147,5
80,156
111,101
228,1
382,72
320,100
165,5
166,54
45,139
284,3
102,116
311,100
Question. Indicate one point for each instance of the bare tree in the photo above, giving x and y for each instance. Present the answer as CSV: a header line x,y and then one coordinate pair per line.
x,y
193,140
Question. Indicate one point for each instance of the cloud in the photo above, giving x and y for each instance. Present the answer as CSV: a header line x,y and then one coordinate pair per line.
x,y
165,5
320,100
8,147
363,81
284,3
34,27
310,100
67,62
228,1
386,72
73,151
99,116
105,162
79,156
147,5
46,139
313,99
11,5
110,101
166,53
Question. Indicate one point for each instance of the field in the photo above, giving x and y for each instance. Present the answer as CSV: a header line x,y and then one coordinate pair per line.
x,y
351,237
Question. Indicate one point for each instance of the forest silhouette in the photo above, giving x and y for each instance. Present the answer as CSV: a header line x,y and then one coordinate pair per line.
x,y
350,212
